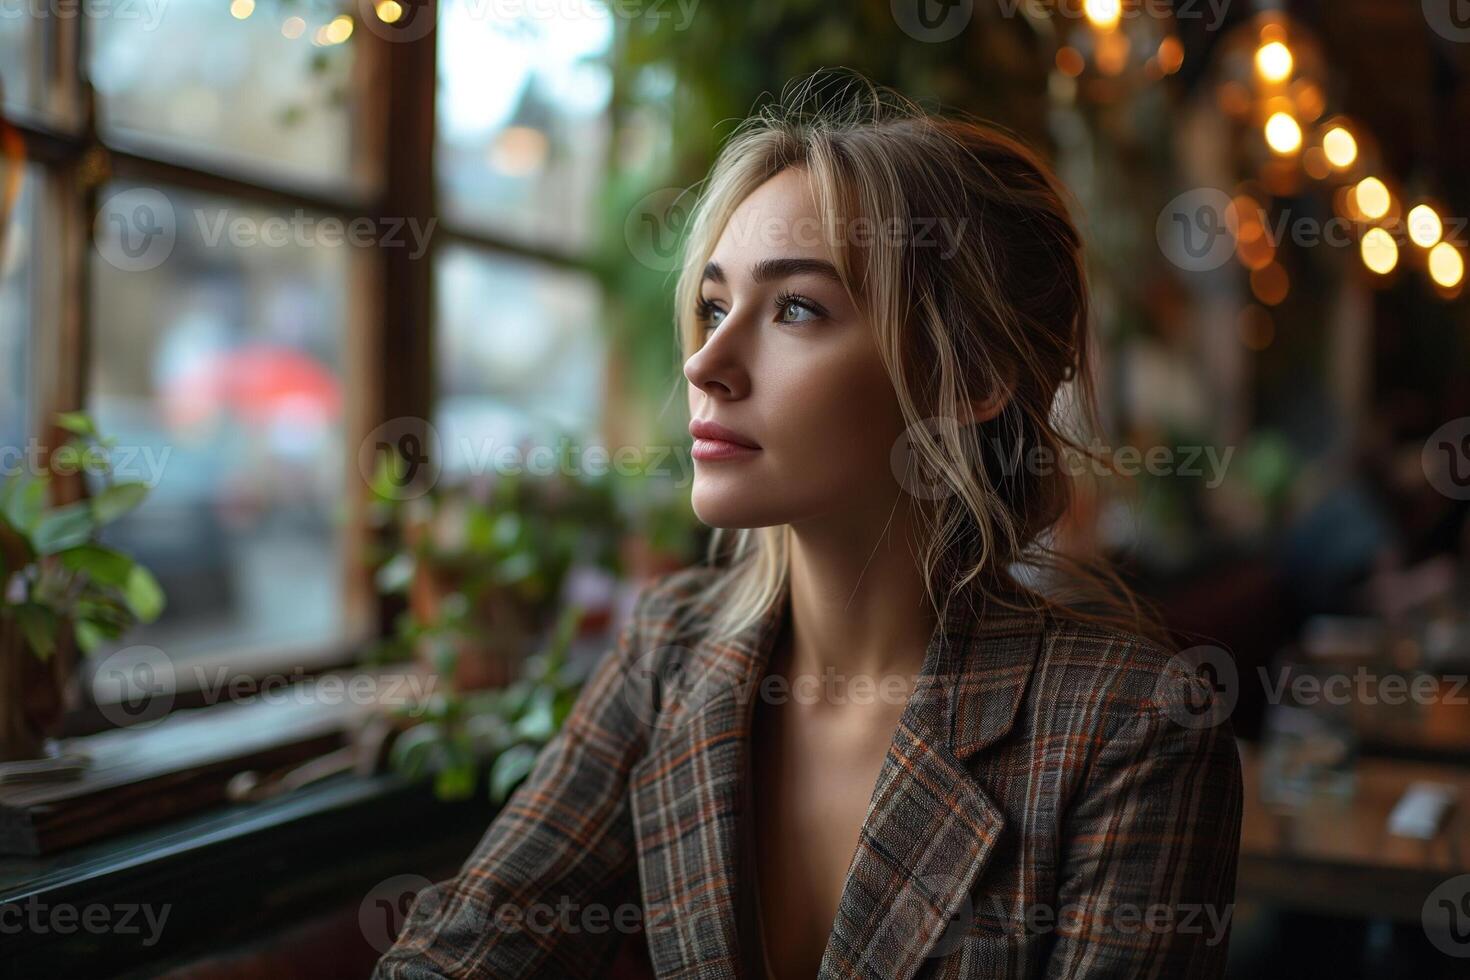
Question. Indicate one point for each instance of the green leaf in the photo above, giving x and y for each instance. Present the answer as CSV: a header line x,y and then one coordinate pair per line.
x,y
103,565
22,501
89,636
510,768
143,594
117,500
63,528
79,423
38,626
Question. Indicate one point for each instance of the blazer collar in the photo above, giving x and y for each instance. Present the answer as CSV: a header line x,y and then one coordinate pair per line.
x,y
906,892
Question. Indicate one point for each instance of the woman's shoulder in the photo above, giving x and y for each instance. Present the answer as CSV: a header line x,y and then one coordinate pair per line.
x,y
1124,673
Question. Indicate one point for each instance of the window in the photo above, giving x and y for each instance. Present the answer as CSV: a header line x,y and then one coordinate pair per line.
x,y
522,121
219,371
193,80
519,355
240,375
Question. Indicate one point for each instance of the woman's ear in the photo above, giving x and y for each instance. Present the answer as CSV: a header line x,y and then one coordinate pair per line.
x,y
988,407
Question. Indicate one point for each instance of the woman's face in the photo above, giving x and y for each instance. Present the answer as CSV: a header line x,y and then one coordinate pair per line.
x,y
792,370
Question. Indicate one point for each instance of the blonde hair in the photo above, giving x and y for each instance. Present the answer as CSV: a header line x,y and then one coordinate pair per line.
x,y
992,296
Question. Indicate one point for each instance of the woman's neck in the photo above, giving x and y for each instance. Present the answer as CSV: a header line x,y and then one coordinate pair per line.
x,y
858,603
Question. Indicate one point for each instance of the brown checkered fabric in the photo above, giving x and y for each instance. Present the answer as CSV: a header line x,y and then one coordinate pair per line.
x,y
1054,803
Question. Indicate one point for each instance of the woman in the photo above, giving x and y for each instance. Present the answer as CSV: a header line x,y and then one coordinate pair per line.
x,y
858,743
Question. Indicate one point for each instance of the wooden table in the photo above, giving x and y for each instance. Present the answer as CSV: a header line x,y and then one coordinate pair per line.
x,y
1338,857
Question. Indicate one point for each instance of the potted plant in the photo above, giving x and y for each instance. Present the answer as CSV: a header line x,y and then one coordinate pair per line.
x,y
482,565
64,593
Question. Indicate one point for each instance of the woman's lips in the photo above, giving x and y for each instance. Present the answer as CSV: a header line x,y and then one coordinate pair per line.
x,y
710,450
713,441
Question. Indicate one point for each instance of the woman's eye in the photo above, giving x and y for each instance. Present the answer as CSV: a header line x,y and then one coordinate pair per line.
x,y
796,311
710,315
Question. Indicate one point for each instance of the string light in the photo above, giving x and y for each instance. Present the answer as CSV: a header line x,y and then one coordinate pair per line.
x,y
1425,228
1283,134
1380,251
388,11
1373,198
1274,61
1103,14
1341,147
1446,265
240,9
293,27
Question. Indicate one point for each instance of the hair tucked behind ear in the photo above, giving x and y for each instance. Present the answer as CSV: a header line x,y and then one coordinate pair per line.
x,y
982,291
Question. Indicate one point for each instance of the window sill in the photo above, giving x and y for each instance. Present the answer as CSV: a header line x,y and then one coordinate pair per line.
x,y
226,876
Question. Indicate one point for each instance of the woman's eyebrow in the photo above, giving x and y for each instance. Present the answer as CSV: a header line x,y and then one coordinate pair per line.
x,y
770,270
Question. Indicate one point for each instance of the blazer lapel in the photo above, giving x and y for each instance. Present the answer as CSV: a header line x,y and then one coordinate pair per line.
x,y
931,829
687,796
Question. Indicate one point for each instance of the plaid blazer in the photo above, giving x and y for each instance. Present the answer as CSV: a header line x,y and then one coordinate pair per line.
x,y
1055,802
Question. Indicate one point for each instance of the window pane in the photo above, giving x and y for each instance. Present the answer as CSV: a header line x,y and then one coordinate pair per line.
x,y
521,120
520,354
17,60
217,364
16,269
193,78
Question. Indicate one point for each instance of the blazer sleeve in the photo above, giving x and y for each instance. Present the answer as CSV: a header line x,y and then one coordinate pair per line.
x,y
1146,886
544,890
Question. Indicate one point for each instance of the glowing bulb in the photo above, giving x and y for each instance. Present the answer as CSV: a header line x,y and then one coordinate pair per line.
x,y
1380,251
1340,146
293,27
339,30
240,9
1373,198
1283,134
1104,14
388,11
1274,61
1425,228
1446,265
